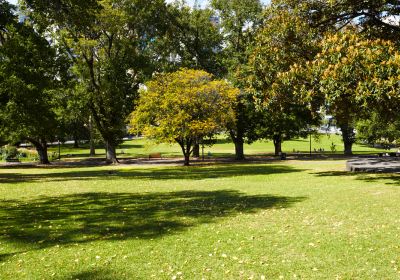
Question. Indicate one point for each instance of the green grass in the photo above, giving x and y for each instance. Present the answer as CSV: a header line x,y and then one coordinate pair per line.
x,y
223,147
290,220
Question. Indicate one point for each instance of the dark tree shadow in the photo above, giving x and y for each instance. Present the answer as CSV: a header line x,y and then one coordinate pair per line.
x,y
387,178
87,217
95,275
167,173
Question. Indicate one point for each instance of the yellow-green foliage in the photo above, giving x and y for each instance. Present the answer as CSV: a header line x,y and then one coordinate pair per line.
x,y
184,106
349,73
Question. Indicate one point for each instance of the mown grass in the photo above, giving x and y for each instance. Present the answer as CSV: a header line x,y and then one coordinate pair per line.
x,y
223,147
282,220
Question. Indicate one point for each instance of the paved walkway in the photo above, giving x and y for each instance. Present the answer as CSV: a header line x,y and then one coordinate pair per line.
x,y
376,165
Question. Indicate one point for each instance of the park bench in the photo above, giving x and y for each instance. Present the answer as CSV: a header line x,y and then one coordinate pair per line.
x,y
155,155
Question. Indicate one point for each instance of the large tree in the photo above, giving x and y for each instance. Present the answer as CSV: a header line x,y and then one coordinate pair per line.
x,y
31,73
376,18
285,39
193,40
183,107
110,42
239,22
350,77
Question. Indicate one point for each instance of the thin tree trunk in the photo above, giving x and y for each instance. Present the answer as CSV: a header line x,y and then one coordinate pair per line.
x,y
196,150
186,150
91,141
111,155
76,142
277,144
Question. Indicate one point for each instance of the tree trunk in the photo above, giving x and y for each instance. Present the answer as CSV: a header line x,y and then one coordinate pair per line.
x,y
277,144
239,149
196,150
186,150
41,148
76,142
187,160
111,155
91,141
239,145
348,138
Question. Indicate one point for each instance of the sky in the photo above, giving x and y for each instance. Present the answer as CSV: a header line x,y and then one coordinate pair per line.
x,y
190,2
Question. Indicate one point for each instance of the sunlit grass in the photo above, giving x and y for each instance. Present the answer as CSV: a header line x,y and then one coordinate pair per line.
x,y
223,147
290,220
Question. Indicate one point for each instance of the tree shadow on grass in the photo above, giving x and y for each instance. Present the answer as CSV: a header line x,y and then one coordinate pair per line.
x,y
87,217
387,178
167,173
96,275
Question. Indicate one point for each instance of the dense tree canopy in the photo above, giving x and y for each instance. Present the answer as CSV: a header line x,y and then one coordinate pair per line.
x,y
349,76
192,40
31,72
239,23
109,41
284,40
183,107
376,18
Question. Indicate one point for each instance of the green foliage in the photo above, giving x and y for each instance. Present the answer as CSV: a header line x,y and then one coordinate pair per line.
x,y
31,75
239,22
184,107
283,40
9,152
374,18
376,129
110,44
192,40
349,76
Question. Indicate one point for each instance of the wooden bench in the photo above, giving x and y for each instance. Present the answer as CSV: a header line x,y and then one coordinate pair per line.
x,y
155,155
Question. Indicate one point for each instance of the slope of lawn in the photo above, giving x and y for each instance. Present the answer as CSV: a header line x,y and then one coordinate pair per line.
x,y
281,220
223,147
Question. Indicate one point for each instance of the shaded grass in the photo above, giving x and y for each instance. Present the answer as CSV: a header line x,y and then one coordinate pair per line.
x,y
172,173
87,217
305,218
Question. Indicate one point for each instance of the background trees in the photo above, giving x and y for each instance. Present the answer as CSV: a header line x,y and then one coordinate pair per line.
x,y
31,75
350,77
283,40
109,41
183,107
193,40
239,22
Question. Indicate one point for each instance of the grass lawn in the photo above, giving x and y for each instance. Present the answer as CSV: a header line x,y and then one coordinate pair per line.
x,y
280,220
223,147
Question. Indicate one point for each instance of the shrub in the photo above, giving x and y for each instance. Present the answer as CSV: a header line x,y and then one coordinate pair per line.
x,y
8,152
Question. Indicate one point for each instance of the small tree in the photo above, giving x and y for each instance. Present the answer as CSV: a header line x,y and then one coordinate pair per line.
x,y
184,107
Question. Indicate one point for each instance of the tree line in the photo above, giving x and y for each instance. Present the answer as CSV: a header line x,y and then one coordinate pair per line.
x,y
85,69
